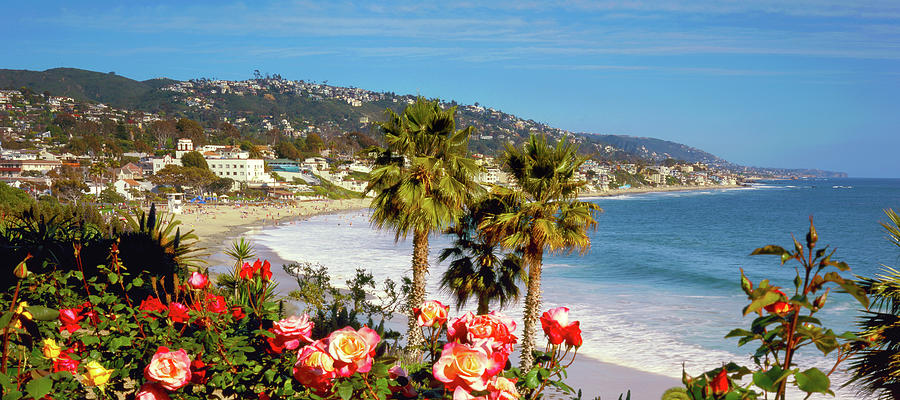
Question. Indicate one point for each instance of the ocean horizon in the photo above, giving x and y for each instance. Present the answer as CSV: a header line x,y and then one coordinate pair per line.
x,y
660,285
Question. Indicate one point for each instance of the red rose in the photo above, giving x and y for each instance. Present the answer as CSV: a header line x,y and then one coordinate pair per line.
x,y
151,304
215,304
264,396
248,271
198,371
198,280
719,384
266,270
178,312
70,319
64,363
238,312
573,335
779,307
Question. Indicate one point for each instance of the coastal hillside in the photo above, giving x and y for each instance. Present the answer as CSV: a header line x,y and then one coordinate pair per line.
x,y
269,106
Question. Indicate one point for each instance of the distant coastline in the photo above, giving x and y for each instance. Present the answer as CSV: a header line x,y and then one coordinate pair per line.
x,y
648,189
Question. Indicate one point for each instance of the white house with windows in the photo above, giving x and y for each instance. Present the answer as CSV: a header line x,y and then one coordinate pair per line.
x,y
241,170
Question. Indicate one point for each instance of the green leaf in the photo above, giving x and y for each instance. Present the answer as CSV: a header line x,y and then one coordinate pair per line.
x,y
738,332
4,320
137,282
769,380
345,390
41,313
531,379
90,340
769,298
813,381
38,388
12,395
857,292
113,278
771,249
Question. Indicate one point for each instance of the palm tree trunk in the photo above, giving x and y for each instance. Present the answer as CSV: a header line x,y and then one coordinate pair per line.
x,y
484,305
533,259
417,295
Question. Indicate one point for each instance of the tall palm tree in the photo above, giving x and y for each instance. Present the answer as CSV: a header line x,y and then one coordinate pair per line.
x,y
479,269
875,369
422,181
548,218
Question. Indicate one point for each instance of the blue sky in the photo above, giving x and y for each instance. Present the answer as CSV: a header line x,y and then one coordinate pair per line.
x,y
801,83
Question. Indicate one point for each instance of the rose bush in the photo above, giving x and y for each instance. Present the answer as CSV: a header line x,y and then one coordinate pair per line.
x,y
78,337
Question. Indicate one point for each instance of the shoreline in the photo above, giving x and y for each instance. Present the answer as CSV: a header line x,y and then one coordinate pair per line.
x,y
645,189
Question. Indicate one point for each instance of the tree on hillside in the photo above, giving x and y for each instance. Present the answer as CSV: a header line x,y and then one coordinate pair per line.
x,y
548,217
194,159
68,184
188,128
422,181
198,179
12,199
314,143
285,149
163,131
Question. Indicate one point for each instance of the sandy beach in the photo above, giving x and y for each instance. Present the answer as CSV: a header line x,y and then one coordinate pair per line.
x,y
214,224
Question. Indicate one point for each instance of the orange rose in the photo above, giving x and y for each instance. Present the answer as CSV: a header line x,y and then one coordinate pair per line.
x,y
315,367
466,366
171,369
353,350
431,313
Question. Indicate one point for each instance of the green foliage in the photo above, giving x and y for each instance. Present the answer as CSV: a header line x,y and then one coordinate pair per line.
x,y
13,200
194,159
786,323
874,369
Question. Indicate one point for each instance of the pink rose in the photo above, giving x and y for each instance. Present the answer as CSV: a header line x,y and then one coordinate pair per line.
x,y
315,367
198,280
495,326
467,366
352,350
171,369
431,313
291,330
151,391
558,328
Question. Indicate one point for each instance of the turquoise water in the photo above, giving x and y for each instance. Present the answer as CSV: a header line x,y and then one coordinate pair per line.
x,y
660,285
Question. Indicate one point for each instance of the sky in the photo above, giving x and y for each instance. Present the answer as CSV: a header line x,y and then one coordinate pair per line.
x,y
773,83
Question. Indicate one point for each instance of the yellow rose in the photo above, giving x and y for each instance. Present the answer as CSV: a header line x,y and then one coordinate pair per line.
x,y
51,350
96,375
23,313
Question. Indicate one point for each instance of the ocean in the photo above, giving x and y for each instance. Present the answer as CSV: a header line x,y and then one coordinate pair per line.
x,y
660,286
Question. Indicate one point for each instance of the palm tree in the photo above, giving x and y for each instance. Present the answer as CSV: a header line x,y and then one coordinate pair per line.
x,y
479,270
875,370
548,217
422,181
